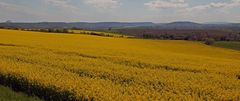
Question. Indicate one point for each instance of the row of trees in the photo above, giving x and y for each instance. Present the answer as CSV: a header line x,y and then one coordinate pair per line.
x,y
50,30
64,30
53,30
196,35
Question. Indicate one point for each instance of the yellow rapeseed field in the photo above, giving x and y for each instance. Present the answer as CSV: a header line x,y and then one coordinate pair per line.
x,y
77,67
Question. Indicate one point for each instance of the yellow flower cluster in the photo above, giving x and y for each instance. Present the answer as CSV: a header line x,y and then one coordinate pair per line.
x,y
84,67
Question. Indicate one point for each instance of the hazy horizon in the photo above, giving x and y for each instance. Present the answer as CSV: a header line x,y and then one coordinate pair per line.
x,y
115,22
156,11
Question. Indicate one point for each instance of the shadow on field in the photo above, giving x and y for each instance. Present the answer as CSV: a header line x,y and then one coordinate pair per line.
x,y
2,44
49,93
13,45
238,76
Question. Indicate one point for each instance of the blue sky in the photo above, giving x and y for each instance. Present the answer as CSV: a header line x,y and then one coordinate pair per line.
x,y
120,10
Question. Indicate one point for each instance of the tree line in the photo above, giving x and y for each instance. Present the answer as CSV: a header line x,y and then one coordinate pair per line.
x,y
194,35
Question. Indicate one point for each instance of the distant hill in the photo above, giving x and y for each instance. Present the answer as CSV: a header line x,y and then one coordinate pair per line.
x,y
106,25
180,25
186,31
193,25
84,25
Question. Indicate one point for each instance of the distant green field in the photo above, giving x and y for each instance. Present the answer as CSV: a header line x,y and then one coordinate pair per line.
x,y
7,94
228,44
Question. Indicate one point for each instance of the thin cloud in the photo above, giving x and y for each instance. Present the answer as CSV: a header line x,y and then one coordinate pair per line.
x,y
159,4
163,4
64,4
105,4
14,11
231,4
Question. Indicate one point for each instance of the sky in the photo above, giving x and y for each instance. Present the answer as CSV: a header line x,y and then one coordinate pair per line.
x,y
158,11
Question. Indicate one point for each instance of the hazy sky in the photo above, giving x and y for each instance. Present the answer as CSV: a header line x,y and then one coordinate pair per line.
x,y
120,10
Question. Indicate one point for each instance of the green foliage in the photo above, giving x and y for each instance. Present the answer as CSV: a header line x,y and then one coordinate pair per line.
x,y
209,41
7,94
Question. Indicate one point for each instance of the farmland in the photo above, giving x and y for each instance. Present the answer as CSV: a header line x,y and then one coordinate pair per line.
x,y
225,44
83,67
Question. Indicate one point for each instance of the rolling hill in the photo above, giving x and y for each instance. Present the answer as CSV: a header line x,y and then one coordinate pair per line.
x,y
73,67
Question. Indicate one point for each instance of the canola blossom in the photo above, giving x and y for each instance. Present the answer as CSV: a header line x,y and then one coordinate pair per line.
x,y
84,67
